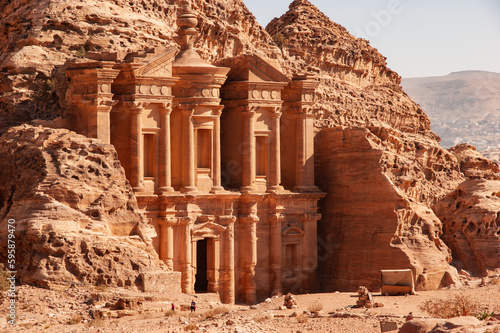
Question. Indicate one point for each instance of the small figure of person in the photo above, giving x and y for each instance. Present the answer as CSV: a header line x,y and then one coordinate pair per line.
x,y
173,307
193,306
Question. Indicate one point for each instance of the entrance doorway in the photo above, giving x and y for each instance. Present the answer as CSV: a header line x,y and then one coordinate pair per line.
x,y
201,282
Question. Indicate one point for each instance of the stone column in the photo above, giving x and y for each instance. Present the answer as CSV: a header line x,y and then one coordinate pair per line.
x,y
275,158
189,167
187,267
165,165
249,158
216,163
136,148
248,253
304,177
300,178
227,283
102,122
167,243
309,251
275,252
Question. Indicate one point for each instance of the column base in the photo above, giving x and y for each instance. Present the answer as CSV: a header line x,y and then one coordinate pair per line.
x,y
189,189
139,189
248,189
217,189
165,190
275,188
306,189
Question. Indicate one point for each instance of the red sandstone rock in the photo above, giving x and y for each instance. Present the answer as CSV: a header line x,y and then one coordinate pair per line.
x,y
473,164
374,220
76,218
471,225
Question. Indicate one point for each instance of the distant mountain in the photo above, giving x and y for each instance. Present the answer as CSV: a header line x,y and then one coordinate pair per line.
x,y
462,106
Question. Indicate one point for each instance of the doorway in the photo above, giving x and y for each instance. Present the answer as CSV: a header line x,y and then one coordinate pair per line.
x,y
201,282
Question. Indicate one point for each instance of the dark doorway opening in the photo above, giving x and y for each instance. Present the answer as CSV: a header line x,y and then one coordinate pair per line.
x,y
201,283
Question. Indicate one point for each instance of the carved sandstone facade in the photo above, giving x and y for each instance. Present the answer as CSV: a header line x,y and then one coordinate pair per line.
x,y
221,159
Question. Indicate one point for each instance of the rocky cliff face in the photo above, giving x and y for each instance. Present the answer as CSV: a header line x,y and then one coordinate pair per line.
x,y
75,215
375,216
356,87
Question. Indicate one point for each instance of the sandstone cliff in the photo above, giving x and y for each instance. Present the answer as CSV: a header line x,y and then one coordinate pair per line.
x,y
76,217
375,216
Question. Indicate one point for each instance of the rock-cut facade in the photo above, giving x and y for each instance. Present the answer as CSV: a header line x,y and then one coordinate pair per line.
x,y
221,158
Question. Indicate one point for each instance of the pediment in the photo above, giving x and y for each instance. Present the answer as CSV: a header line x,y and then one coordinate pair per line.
x,y
159,64
253,68
207,228
293,231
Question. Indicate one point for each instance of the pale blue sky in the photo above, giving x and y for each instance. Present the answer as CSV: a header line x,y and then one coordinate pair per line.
x,y
418,37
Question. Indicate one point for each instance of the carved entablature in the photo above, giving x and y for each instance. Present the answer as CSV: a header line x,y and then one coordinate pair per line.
x,y
300,93
90,81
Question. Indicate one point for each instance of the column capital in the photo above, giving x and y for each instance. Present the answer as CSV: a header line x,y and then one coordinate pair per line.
x,y
249,109
276,218
312,217
186,220
249,219
217,110
165,108
168,221
226,220
275,114
136,107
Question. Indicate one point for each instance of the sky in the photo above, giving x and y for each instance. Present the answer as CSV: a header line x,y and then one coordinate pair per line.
x,y
418,37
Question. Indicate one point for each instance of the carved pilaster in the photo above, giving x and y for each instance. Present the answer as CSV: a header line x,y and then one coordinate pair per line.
x,y
167,241
216,170
249,158
187,273
189,167
249,257
136,146
227,282
275,252
275,160
165,153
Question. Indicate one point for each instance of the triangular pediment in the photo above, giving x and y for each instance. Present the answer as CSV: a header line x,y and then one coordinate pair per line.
x,y
253,68
159,64
207,228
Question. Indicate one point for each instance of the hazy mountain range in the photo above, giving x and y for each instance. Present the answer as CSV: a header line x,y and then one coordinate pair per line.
x,y
463,107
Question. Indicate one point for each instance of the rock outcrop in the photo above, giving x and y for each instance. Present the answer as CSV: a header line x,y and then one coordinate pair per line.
x,y
375,214
473,164
471,213
75,216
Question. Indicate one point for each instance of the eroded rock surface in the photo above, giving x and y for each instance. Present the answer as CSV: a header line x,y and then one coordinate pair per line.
x,y
471,220
375,215
76,218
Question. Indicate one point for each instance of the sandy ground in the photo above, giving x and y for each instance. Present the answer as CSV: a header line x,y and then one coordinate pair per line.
x,y
71,310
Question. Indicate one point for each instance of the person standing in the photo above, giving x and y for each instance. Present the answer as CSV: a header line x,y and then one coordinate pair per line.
x,y
193,306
